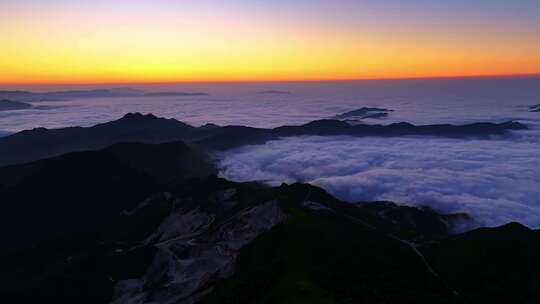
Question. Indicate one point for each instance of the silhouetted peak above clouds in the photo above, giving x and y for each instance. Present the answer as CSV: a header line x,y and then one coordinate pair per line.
x,y
26,96
179,94
364,113
8,105
41,143
126,91
326,123
275,92
403,124
147,128
158,123
139,116
209,126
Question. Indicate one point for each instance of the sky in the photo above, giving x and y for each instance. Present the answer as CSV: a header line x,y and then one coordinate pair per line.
x,y
121,41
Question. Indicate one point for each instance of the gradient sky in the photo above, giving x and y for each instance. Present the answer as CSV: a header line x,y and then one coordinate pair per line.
x,y
75,41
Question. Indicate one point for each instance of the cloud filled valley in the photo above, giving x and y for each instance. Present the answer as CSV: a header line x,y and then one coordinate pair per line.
x,y
495,181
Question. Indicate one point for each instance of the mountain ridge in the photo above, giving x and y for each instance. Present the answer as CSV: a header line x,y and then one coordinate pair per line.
x,y
151,223
41,143
27,96
216,241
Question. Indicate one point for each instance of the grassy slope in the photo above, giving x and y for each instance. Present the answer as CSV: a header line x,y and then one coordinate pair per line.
x,y
327,258
347,255
491,265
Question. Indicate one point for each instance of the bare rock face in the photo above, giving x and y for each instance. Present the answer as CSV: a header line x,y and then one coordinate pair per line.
x,y
194,250
180,225
317,206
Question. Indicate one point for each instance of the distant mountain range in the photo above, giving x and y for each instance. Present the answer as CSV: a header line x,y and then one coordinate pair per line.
x,y
8,105
26,96
363,113
42,143
275,92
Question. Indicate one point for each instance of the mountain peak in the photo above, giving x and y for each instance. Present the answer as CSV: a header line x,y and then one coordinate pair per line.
x,y
138,115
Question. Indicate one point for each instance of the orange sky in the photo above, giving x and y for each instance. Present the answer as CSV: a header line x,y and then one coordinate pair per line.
x,y
132,41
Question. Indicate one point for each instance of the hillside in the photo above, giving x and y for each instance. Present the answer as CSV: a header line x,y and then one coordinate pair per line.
x,y
82,190
213,241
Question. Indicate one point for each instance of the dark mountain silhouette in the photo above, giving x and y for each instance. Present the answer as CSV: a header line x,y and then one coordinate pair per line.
x,y
364,113
499,264
175,94
534,108
82,190
6,105
42,143
208,240
233,136
26,96
275,92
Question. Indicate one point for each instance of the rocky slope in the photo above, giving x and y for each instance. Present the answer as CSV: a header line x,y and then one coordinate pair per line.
x,y
150,223
208,240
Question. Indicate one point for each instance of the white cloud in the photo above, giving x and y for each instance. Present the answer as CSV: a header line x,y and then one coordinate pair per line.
x,y
496,181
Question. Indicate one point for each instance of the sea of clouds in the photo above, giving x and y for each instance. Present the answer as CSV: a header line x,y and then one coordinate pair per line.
x,y
496,181
414,101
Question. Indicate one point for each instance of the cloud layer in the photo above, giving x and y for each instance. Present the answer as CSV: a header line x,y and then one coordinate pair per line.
x,y
496,181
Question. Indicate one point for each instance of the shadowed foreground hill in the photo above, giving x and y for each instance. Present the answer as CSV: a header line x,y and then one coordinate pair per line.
x,y
42,143
82,190
208,240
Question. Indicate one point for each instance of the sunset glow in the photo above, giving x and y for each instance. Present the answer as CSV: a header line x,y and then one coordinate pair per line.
x,y
168,41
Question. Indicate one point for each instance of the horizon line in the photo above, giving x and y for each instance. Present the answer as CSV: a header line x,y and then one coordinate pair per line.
x,y
246,81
